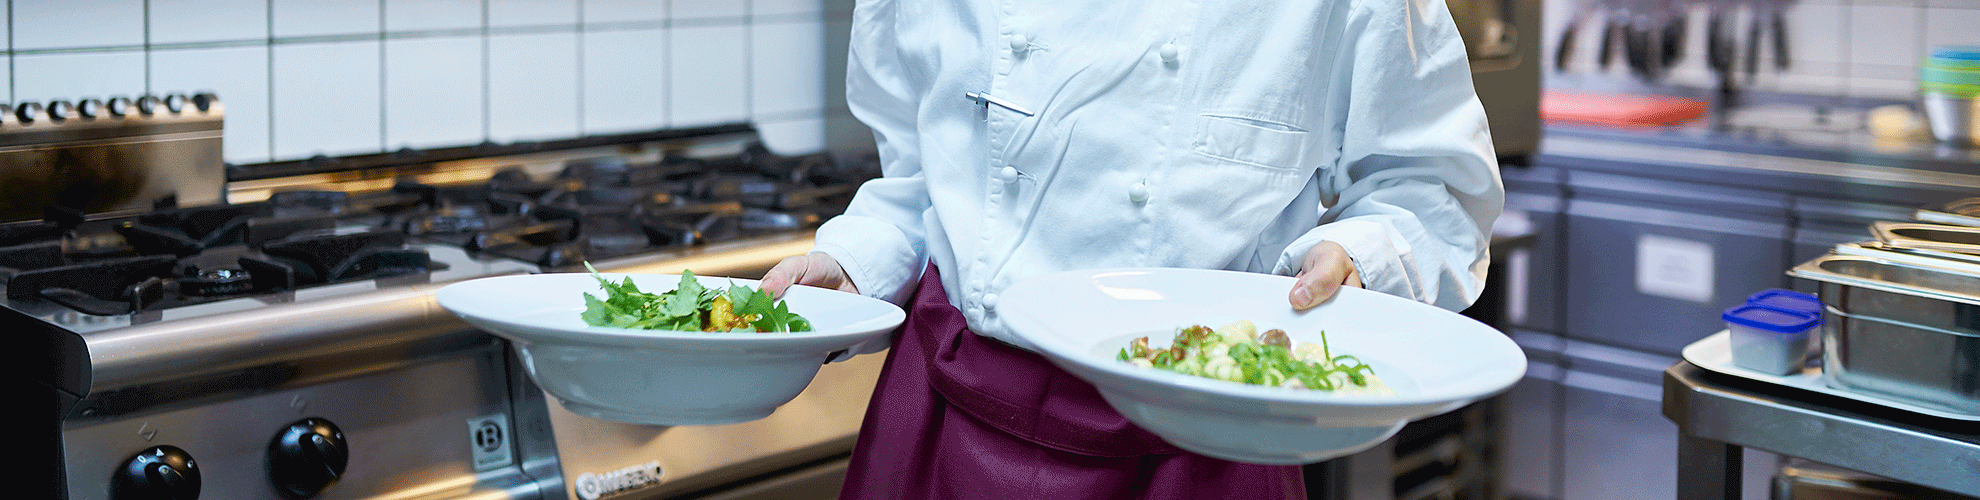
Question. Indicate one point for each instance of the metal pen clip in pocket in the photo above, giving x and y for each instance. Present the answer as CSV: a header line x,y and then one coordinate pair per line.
x,y
986,100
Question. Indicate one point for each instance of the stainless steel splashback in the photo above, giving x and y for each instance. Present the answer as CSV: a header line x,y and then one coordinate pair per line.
x,y
107,156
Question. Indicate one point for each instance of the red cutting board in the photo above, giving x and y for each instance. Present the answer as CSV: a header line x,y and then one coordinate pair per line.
x,y
1617,110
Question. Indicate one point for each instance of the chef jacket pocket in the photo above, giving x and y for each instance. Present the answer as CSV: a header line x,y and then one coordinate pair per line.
x,y
1260,142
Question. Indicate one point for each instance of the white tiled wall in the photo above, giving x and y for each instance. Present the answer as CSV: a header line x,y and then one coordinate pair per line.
x,y
711,71
334,77
326,99
1858,48
433,94
77,23
532,86
625,79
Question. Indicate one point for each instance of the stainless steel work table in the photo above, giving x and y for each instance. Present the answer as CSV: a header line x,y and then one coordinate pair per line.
x,y
1717,414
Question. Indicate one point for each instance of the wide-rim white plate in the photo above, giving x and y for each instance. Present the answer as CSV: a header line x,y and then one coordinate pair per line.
x,y
1714,352
664,377
1437,360
543,307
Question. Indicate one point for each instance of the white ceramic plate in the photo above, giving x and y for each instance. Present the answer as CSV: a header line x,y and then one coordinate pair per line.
x,y
1436,360
663,377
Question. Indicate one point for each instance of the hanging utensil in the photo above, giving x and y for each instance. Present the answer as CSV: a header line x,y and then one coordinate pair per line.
x,y
1778,14
1612,33
1720,48
1674,32
1754,22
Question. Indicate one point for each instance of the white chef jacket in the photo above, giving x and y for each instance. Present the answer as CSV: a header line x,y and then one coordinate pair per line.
x,y
1223,134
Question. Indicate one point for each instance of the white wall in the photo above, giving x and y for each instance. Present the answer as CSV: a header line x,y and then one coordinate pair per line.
x,y
1855,48
338,77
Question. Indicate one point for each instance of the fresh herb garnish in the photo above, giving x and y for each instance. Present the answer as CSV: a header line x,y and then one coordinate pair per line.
x,y
1234,353
689,307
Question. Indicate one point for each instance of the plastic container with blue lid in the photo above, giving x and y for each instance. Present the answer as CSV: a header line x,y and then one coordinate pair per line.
x,y
1794,301
1768,339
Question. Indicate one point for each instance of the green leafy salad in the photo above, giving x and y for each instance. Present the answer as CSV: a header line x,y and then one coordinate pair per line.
x,y
689,307
1238,353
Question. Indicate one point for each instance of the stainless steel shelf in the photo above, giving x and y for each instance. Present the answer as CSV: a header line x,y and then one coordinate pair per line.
x,y
1717,417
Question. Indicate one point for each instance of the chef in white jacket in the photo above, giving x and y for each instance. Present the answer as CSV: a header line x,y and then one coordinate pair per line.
x,y
1336,140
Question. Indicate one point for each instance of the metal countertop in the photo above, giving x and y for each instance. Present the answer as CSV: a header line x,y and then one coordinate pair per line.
x,y
1729,160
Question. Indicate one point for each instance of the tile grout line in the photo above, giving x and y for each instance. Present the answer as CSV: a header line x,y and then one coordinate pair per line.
x,y
383,124
749,63
667,66
270,48
10,52
400,35
147,46
579,66
487,114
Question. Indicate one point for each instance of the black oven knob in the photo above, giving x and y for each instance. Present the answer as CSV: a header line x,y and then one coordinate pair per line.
x,y
61,110
159,473
147,104
89,108
307,457
204,101
27,112
175,103
118,106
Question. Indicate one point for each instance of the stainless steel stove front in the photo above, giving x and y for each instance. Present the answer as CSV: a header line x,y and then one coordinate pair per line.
x,y
427,407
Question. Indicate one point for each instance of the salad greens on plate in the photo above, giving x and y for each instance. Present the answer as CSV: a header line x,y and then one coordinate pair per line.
x,y
1239,353
689,307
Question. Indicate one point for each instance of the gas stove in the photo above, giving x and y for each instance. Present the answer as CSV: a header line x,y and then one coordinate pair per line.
x,y
92,274
284,344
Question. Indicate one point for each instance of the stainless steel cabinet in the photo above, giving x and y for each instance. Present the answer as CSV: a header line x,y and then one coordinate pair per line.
x,y
1532,409
1615,442
1616,445
1652,263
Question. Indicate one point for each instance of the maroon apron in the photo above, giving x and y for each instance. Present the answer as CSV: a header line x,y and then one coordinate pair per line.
x,y
960,416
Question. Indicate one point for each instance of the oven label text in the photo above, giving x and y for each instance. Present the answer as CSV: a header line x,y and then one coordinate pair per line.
x,y
594,486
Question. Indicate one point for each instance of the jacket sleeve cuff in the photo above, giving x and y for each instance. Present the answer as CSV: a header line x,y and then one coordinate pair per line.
x,y
878,258
1381,258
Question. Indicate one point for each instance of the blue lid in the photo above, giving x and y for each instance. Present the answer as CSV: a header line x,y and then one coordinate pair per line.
x,y
1787,299
1769,318
1957,52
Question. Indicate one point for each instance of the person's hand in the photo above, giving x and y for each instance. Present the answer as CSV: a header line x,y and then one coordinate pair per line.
x,y
1326,268
812,269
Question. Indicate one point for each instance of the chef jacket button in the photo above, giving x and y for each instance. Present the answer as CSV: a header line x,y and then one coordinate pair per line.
x,y
989,301
1138,193
1019,43
1009,174
1170,52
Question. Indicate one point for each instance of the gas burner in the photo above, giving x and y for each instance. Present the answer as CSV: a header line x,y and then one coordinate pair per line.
x,y
616,171
215,282
345,257
183,257
103,288
188,231
453,219
292,203
550,243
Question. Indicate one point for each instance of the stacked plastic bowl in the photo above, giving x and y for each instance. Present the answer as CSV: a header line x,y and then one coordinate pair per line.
x,y
1948,82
